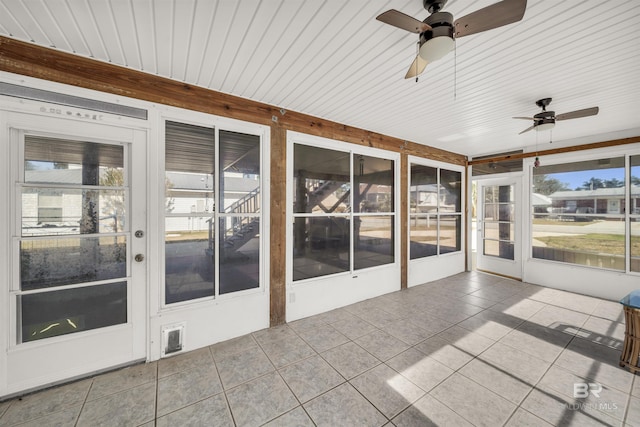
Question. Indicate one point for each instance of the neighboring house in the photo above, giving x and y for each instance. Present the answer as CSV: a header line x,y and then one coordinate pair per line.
x,y
191,193
600,201
426,198
540,203
188,193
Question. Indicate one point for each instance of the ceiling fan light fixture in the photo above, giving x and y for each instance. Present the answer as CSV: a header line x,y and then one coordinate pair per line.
x,y
436,47
545,126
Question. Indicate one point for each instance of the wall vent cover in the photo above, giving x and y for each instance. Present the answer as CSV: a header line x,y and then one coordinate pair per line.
x,y
71,101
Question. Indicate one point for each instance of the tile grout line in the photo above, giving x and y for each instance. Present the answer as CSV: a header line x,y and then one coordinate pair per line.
x,y
535,387
84,402
224,392
155,403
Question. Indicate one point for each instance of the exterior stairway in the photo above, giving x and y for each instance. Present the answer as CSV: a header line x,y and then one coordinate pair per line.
x,y
243,228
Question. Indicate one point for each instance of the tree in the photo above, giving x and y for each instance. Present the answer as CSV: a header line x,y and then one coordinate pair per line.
x,y
613,183
113,203
542,184
30,166
635,180
592,184
169,202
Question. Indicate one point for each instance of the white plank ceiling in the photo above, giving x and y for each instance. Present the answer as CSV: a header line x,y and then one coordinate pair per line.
x,y
332,59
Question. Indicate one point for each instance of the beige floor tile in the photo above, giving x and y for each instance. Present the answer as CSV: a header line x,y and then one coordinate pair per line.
x,y
298,418
387,390
310,378
287,351
185,388
123,379
241,367
350,359
497,380
522,418
323,338
445,352
473,402
131,407
39,404
343,406
212,411
428,412
184,362
382,345
237,345
65,417
354,328
260,400
419,368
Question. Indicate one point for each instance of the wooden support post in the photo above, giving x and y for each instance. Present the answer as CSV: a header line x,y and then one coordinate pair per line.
x,y
404,218
277,282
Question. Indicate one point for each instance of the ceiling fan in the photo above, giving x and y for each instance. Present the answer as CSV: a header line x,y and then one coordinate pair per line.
x,y
547,119
437,33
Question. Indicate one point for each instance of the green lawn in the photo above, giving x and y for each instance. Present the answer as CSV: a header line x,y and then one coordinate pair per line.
x,y
599,243
544,221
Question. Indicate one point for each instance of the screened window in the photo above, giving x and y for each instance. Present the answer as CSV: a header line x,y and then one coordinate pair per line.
x,y
336,230
435,211
579,213
212,212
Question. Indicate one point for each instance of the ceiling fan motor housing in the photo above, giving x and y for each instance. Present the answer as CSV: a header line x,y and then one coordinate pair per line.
x,y
545,118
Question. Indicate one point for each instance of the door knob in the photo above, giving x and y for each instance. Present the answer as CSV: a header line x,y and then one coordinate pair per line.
x,y
139,258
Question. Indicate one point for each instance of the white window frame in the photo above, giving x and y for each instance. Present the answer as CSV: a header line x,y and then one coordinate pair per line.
x,y
324,293
215,123
353,150
574,157
426,269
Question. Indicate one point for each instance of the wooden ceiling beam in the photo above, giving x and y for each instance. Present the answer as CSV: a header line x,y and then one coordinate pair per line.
x,y
516,156
49,64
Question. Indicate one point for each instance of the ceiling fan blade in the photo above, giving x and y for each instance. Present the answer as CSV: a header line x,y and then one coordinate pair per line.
x,y
403,21
417,67
527,129
490,17
578,113
524,118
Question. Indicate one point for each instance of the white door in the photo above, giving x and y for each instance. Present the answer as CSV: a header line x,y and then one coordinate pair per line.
x,y
76,292
499,226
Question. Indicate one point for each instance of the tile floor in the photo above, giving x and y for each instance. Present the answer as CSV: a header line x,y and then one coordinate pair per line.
x,y
472,349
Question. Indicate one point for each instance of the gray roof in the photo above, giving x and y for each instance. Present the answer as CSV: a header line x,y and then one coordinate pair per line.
x,y
597,193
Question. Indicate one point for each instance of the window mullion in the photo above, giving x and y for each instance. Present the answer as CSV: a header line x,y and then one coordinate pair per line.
x,y
217,205
627,217
352,199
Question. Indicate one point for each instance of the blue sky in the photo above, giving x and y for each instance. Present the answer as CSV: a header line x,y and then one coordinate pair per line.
x,y
575,179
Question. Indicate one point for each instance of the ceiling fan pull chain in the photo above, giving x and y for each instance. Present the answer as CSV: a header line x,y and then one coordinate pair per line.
x,y
455,71
417,53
